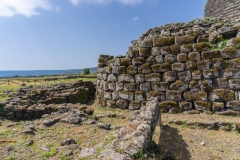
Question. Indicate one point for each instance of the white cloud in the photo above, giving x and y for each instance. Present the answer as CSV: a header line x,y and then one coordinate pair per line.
x,y
28,8
135,19
131,2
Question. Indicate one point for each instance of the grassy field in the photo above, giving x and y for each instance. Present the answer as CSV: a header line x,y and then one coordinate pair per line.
x,y
13,84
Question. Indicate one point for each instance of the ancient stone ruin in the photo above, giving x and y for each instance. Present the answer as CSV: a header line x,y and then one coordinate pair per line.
x,y
227,9
31,103
185,66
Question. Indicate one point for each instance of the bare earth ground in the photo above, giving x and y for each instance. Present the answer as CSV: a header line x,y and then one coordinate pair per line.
x,y
176,141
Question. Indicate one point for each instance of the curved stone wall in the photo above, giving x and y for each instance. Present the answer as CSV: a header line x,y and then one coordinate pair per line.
x,y
227,9
185,66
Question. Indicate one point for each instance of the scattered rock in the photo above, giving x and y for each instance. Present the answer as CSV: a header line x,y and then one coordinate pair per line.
x,y
87,152
29,143
68,142
106,126
202,143
48,122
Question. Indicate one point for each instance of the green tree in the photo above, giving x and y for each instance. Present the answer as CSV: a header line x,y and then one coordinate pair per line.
x,y
86,71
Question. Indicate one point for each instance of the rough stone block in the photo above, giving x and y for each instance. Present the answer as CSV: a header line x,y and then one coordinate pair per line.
x,y
112,86
146,87
195,96
147,43
112,78
160,42
126,95
199,47
156,51
138,61
109,69
168,104
184,39
230,52
217,63
140,78
165,50
231,73
129,87
133,52
179,85
117,62
131,69
219,95
211,73
161,67
139,96
122,104
115,95
126,78
210,54
184,105
173,95
145,68
126,61
119,69
100,76
206,85
151,60
119,86
190,65
110,103
160,86
221,83
175,49
217,106
235,63
194,86
134,105
234,84
105,76
159,59
203,65
153,94
144,52
108,95
169,76
234,105
203,105
153,77
185,76
182,57
197,74
170,58
178,66
186,48
105,86
194,56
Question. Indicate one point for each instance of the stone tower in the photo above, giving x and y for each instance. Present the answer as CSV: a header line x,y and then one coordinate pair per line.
x,y
227,9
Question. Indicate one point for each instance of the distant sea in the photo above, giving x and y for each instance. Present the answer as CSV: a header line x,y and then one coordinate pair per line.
x,y
28,73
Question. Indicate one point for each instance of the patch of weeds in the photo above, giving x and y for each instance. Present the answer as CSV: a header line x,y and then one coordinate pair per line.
x,y
181,110
94,142
184,124
51,153
229,126
10,158
99,150
139,154
84,158
63,157
237,46
238,132
191,127
201,111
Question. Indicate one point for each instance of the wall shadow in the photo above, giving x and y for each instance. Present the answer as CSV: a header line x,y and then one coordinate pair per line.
x,y
171,144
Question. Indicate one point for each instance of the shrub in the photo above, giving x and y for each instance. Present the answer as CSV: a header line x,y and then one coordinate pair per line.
x,y
86,71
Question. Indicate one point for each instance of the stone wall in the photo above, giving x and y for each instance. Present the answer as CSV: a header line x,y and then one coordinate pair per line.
x,y
227,9
185,66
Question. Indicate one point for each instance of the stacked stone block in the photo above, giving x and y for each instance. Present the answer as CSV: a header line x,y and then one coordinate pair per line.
x,y
190,66
227,9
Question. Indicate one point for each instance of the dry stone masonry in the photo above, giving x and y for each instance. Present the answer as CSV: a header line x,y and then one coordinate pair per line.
x,y
185,66
228,9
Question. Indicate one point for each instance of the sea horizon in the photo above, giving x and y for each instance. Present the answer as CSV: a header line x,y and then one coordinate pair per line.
x,y
29,73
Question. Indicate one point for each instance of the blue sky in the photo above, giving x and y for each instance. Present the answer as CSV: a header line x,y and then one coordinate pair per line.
x,y
71,34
